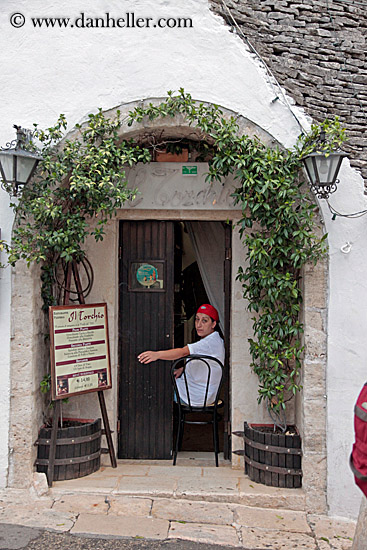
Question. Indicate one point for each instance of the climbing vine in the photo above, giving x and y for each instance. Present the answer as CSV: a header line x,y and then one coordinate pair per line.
x,y
79,181
83,179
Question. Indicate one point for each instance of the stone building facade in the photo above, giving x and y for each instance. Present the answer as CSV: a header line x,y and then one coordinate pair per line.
x,y
78,70
317,52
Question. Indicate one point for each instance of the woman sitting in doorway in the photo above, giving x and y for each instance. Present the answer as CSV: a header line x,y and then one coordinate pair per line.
x,y
210,343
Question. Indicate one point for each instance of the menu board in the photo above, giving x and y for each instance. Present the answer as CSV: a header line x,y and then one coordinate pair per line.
x,y
80,356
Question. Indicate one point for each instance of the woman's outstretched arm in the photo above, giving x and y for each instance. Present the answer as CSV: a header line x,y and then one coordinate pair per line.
x,y
165,355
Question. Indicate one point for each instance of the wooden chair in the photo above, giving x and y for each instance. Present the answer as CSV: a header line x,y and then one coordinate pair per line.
x,y
187,408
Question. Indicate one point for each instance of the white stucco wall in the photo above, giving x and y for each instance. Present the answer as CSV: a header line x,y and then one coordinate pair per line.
x,y
347,327
74,71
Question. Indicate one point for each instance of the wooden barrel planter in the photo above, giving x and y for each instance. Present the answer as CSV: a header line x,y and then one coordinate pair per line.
x,y
78,449
272,458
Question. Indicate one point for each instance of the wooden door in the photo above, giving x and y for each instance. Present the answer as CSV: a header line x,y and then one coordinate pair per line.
x,y
227,330
145,323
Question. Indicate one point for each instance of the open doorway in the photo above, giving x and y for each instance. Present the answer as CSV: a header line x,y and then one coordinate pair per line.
x,y
199,278
161,316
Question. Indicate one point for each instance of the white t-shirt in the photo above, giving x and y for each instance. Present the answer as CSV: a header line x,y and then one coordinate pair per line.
x,y
197,371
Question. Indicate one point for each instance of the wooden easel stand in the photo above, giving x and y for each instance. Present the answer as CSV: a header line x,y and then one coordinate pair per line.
x,y
73,270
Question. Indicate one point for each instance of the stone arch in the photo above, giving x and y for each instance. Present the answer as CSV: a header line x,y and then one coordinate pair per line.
x,y
176,126
28,350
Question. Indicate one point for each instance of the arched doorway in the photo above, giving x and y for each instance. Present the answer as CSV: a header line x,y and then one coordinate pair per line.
x,y
28,349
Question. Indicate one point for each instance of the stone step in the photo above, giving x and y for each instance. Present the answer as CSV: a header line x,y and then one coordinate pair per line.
x,y
178,509
180,483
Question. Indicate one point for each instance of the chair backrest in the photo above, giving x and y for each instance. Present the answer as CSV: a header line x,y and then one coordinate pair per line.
x,y
184,362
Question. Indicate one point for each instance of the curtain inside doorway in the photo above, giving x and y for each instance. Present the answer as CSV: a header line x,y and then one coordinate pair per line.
x,y
208,240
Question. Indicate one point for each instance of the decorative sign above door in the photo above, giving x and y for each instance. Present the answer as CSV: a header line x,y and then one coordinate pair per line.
x,y
166,185
80,356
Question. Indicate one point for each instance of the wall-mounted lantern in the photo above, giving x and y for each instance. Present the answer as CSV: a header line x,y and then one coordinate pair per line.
x,y
322,170
17,165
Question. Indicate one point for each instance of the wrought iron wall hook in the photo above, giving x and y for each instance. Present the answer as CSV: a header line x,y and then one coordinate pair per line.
x,y
24,138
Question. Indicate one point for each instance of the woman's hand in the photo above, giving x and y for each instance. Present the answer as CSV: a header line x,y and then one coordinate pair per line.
x,y
178,372
148,357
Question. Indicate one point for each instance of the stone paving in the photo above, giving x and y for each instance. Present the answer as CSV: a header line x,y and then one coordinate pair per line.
x,y
190,502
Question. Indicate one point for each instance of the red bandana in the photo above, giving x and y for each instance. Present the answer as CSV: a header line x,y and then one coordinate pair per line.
x,y
209,310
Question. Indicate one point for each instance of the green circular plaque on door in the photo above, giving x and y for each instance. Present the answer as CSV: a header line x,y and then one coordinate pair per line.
x,y
147,275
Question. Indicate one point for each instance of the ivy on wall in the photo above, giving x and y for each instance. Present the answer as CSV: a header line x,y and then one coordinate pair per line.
x,y
83,179
78,181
